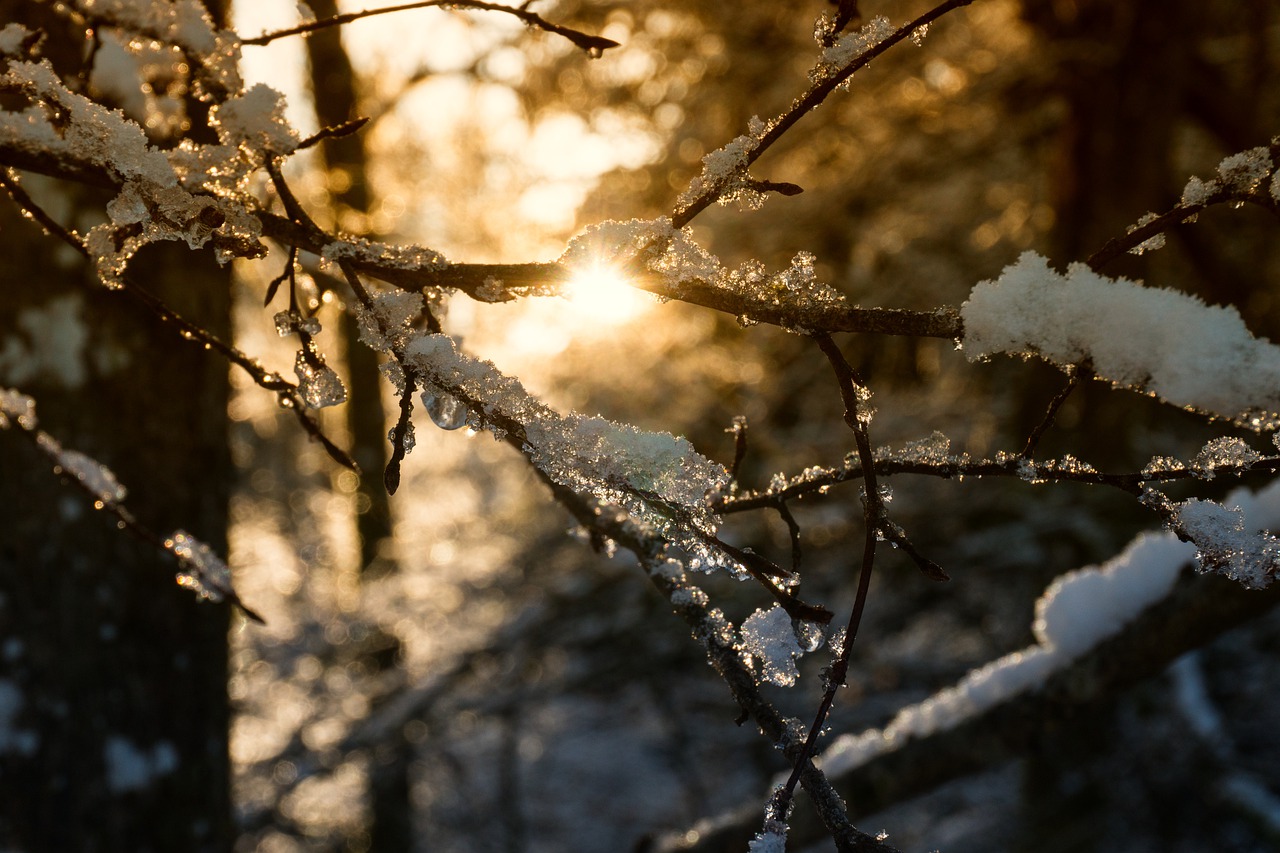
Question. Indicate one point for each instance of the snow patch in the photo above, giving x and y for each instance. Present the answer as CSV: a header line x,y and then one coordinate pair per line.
x,y
1159,341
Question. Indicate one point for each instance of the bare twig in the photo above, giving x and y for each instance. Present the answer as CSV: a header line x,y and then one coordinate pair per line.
x,y
593,45
855,416
810,100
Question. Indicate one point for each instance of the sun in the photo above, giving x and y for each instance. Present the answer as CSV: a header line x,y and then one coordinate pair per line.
x,y
599,293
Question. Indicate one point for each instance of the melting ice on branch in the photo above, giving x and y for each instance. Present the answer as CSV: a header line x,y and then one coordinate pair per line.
x,y
1167,343
769,638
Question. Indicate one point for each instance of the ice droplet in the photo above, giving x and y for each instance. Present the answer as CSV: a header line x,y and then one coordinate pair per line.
x,y
318,383
445,410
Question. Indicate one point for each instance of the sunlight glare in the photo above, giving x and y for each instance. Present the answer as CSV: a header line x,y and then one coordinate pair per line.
x,y
600,293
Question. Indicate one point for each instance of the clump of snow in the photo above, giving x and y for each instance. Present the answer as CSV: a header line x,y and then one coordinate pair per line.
x,y
55,346
849,47
361,250
185,24
1245,171
1155,241
96,477
203,571
1160,341
773,838
1225,545
386,323
1199,192
64,124
658,476
724,172
769,638
12,738
1225,452
12,39
255,120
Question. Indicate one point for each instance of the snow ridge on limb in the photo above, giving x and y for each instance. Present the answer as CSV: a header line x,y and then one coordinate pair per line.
x,y
1161,342
1076,613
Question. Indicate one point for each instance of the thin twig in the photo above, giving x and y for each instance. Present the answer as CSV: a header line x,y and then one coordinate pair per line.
x,y
593,45
873,513
810,100
1074,375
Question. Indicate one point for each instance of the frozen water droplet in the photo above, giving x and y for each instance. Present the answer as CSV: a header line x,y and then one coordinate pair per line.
x,y
445,410
318,383
809,636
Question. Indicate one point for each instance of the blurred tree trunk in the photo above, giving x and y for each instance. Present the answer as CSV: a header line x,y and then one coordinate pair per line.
x,y
113,705
333,85
334,92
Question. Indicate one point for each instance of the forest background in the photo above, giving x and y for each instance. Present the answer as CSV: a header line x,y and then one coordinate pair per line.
x,y
447,669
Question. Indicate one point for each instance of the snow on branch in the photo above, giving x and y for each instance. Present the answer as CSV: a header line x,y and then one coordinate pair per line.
x,y
1077,612
1162,342
203,571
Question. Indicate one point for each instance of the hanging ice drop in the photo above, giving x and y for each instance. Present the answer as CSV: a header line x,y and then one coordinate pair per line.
x,y
445,410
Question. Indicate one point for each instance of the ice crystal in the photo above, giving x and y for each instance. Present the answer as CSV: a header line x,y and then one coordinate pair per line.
x,y
318,382
769,638
203,571
932,450
1155,241
291,322
1161,341
1223,452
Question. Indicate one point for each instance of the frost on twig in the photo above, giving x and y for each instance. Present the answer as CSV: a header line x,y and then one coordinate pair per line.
x,y
657,476
678,266
840,53
184,24
1161,342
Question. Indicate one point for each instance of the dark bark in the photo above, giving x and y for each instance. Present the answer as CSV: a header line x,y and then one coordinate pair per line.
x,y
114,676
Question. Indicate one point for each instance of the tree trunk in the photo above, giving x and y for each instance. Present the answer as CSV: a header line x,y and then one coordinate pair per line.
x,y
113,705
